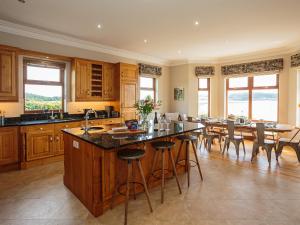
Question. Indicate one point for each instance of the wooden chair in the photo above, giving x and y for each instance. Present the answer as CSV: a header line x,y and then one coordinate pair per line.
x,y
291,142
260,141
232,138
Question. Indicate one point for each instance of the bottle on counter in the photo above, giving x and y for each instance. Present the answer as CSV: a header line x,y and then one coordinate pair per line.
x,y
2,118
61,114
156,125
179,117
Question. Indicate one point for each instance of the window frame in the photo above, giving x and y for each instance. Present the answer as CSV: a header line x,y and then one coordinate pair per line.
x,y
250,89
205,89
149,89
43,64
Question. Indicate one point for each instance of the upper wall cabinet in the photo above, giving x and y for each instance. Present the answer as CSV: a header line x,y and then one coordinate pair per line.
x,y
94,81
8,75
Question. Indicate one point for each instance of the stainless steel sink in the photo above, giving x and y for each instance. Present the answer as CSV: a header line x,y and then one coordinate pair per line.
x,y
92,128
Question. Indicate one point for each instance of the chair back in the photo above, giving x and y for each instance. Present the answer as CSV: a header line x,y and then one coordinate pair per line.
x,y
260,130
203,121
230,128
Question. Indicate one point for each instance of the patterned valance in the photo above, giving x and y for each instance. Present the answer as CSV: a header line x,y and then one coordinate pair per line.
x,y
295,60
151,70
204,71
253,67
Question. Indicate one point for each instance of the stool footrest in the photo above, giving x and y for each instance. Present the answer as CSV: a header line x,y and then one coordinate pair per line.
x,y
159,177
124,184
183,160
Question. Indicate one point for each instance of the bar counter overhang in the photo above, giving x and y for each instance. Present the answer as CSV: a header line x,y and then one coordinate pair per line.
x,y
92,169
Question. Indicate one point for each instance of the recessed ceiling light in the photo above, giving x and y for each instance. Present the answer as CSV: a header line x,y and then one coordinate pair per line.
x,y
179,51
196,23
99,26
145,41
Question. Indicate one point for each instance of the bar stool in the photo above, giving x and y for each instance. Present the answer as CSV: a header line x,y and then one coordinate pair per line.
x,y
130,155
162,146
187,139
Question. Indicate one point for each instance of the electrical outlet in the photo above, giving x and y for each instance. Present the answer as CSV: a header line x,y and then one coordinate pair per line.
x,y
76,144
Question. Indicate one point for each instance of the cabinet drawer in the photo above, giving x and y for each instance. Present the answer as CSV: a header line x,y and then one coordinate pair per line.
x,y
111,121
61,126
34,128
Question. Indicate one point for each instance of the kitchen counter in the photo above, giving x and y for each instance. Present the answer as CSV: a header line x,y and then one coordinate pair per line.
x,y
17,122
92,168
107,141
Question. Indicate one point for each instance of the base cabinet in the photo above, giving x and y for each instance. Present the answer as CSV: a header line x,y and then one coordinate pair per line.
x,y
9,153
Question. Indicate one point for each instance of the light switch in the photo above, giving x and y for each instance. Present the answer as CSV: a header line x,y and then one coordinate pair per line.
x,y
76,144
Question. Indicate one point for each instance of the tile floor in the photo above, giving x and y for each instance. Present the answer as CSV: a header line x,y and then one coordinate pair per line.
x,y
234,192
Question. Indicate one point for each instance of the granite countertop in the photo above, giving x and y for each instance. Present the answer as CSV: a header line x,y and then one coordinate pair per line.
x,y
108,141
16,122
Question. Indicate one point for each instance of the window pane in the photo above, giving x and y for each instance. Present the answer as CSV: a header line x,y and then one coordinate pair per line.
x,y
238,102
267,80
265,104
203,103
146,82
40,97
43,74
203,83
145,93
238,82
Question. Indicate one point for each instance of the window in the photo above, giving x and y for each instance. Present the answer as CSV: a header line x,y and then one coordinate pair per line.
x,y
43,85
147,88
203,96
253,97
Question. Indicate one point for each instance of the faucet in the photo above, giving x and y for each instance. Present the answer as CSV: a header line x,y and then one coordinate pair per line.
x,y
87,118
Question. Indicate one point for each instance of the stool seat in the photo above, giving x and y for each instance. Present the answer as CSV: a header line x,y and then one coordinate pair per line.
x,y
162,144
131,154
187,138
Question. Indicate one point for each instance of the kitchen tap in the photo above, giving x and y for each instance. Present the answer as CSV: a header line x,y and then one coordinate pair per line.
x,y
87,118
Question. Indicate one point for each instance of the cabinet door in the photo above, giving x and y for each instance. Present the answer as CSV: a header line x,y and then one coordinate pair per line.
x,y
128,94
109,82
128,72
58,136
128,114
8,76
39,144
83,79
8,146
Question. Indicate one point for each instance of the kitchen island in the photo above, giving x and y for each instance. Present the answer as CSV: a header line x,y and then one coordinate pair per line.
x,y
92,168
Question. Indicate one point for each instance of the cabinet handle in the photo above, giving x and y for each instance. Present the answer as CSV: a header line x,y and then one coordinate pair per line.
x,y
51,138
66,126
57,138
41,128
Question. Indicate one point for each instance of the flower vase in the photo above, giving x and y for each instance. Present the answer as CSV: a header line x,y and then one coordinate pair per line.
x,y
144,121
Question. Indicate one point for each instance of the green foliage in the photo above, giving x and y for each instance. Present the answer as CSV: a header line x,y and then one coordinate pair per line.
x,y
145,107
38,102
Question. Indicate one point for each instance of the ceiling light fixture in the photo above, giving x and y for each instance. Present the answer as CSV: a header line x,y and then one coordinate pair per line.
x,y
145,41
99,26
196,23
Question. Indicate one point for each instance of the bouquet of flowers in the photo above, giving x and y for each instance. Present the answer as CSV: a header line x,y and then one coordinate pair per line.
x,y
145,107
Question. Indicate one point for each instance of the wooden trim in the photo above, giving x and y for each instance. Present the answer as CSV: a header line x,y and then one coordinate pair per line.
x,y
149,89
51,64
206,89
250,89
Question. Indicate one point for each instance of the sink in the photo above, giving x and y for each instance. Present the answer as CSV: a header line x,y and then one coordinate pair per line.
x,y
93,128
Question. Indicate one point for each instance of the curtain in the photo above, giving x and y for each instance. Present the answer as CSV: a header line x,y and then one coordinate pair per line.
x,y
146,70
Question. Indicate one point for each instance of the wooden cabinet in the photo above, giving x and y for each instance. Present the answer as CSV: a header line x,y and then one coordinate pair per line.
x,y
58,136
110,83
88,77
8,75
9,145
82,74
129,88
39,142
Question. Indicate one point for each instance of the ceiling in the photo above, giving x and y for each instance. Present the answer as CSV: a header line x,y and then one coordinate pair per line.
x,y
226,27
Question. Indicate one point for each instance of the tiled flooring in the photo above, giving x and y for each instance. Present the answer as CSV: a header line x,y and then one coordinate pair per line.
x,y
233,193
